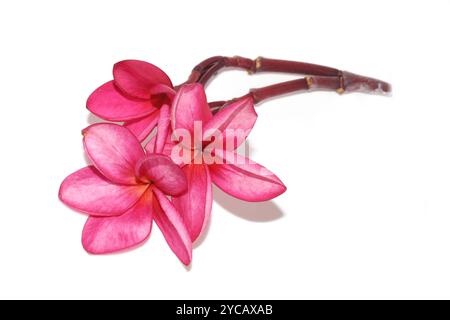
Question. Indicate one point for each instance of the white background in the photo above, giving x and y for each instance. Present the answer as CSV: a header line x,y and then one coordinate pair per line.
x,y
367,210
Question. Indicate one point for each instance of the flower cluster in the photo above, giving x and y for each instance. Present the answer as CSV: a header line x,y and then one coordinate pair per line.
x,y
169,180
191,146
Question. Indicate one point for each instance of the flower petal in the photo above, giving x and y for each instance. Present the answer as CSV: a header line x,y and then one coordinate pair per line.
x,y
108,103
245,179
141,128
163,90
233,123
195,205
168,150
114,150
172,227
111,234
163,128
137,78
189,105
160,170
86,190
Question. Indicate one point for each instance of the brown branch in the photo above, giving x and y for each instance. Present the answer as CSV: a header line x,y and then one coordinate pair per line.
x,y
348,82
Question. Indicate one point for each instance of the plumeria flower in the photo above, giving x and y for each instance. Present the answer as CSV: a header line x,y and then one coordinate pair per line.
x,y
134,97
209,157
125,188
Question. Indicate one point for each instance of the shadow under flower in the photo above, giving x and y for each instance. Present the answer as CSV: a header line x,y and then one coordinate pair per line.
x,y
93,119
265,211
252,211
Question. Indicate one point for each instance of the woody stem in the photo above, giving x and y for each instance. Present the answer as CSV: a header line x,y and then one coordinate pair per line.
x,y
310,83
348,82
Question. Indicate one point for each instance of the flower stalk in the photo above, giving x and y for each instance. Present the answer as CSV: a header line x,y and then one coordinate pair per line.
x,y
318,77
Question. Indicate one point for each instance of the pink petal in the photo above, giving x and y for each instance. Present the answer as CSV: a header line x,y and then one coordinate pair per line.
x,y
163,129
232,124
108,103
167,150
114,150
160,170
137,78
164,90
189,105
173,228
195,205
111,234
141,128
86,190
245,179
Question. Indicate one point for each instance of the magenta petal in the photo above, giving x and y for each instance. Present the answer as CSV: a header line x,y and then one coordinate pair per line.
x,y
163,128
245,179
114,150
111,234
167,150
86,190
150,146
172,227
160,170
137,78
108,103
189,105
195,205
232,123
159,89
141,128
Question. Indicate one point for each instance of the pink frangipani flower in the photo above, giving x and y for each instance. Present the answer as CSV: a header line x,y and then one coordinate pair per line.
x,y
234,174
134,97
125,189
170,181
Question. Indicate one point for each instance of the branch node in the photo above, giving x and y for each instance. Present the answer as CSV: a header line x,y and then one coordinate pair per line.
x,y
258,63
340,90
309,82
